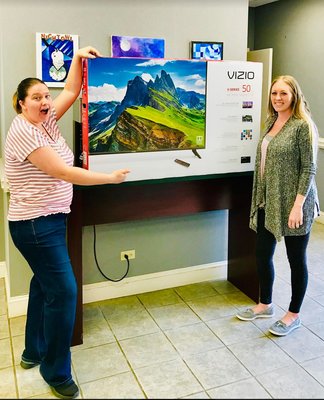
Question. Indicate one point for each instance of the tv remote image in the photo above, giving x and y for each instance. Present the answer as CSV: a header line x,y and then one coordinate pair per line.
x,y
181,162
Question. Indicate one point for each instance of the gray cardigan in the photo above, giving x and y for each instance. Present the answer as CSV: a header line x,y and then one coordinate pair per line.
x,y
290,169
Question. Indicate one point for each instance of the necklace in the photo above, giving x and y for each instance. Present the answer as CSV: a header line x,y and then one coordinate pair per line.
x,y
42,127
47,132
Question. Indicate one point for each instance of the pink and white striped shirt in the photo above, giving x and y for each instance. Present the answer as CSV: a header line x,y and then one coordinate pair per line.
x,y
33,193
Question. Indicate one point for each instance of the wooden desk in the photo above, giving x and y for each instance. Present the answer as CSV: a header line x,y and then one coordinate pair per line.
x,y
132,201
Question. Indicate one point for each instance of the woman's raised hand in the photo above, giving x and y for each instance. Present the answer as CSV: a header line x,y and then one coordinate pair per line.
x,y
88,52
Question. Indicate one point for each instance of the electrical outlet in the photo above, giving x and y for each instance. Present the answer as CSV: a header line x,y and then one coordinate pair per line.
x,y
130,253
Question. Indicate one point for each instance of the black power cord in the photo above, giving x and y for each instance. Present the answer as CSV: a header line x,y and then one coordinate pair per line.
x,y
95,257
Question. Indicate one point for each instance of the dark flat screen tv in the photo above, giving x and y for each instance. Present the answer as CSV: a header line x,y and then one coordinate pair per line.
x,y
143,105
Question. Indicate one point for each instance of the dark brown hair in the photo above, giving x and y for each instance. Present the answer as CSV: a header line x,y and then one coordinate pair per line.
x,y
22,92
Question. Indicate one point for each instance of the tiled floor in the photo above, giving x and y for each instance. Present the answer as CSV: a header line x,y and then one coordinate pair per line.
x,y
185,342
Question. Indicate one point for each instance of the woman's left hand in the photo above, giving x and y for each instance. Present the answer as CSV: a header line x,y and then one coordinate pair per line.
x,y
295,217
89,52
73,81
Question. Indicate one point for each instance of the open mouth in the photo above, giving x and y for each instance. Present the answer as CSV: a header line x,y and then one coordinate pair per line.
x,y
45,111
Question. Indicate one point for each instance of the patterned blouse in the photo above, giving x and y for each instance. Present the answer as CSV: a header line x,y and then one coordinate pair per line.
x,y
290,169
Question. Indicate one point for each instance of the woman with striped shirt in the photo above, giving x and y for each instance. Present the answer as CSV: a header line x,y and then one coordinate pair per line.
x,y
40,171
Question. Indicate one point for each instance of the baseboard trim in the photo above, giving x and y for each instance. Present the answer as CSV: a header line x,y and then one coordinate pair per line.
x,y
152,282
17,305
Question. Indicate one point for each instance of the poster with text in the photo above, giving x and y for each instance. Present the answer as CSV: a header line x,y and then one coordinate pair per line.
x,y
54,53
233,112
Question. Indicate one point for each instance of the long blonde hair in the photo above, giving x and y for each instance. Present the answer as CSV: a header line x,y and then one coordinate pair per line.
x,y
300,108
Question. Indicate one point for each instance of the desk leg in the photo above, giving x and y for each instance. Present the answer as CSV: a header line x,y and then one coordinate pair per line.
x,y
242,271
74,242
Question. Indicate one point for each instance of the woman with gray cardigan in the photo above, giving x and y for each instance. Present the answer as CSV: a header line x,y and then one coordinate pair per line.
x,y
284,198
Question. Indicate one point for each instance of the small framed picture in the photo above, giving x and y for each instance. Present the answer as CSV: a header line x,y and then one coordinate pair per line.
x,y
54,53
207,50
132,46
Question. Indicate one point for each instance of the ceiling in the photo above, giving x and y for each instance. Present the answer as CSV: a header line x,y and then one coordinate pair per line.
x,y
256,3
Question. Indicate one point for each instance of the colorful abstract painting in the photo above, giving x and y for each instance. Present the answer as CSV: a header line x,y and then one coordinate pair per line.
x,y
207,50
130,46
137,104
54,52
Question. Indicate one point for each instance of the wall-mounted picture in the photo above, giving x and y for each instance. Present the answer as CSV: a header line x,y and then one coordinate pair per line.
x,y
54,53
141,105
207,50
130,46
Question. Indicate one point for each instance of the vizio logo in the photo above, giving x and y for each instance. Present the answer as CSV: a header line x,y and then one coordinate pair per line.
x,y
240,74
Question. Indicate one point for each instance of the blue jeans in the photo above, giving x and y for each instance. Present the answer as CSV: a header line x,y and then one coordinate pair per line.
x,y
296,247
52,295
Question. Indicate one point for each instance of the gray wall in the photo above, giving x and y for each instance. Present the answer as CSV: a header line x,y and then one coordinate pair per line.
x,y
295,31
160,244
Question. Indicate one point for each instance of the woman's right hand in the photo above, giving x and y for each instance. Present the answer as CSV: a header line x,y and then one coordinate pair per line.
x,y
119,175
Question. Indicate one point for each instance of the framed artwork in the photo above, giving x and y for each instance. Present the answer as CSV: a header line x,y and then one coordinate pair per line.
x,y
207,50
54,53
130,46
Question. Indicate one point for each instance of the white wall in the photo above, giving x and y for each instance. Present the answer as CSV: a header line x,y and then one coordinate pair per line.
x,y
178,22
